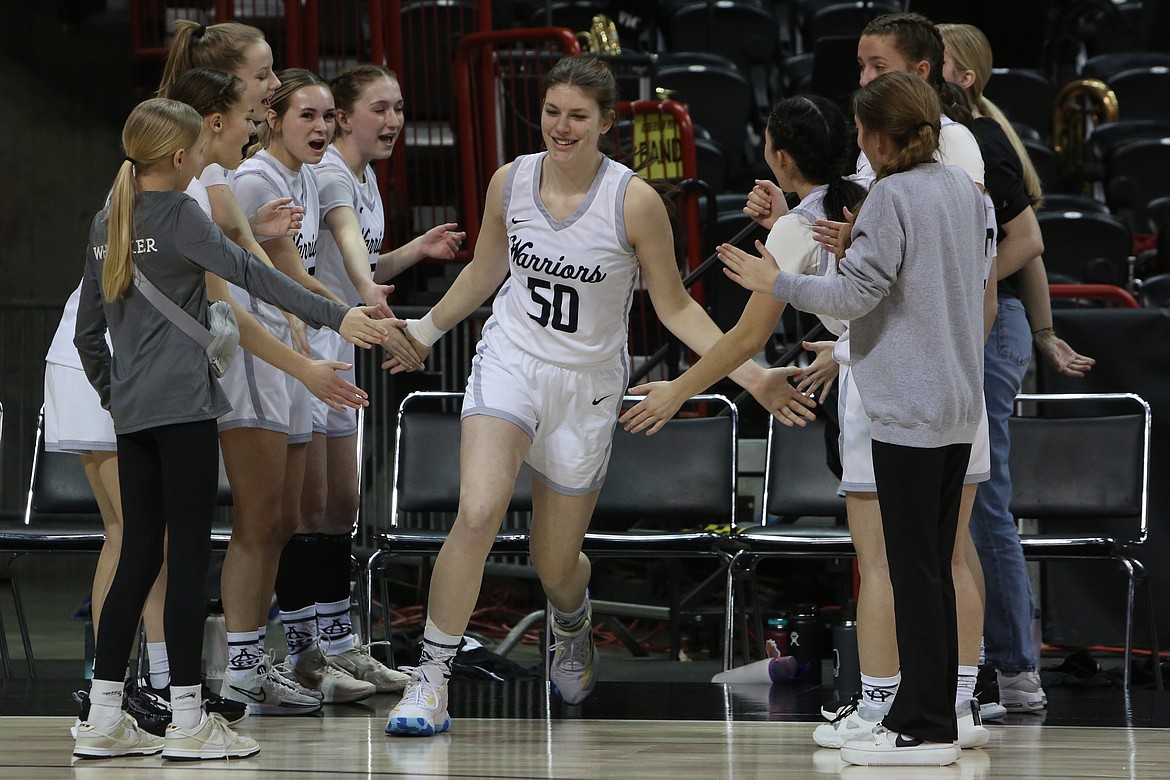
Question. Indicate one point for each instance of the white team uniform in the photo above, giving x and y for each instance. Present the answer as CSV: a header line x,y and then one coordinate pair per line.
x,y
553,356
957,146
74,418
261,395
338,187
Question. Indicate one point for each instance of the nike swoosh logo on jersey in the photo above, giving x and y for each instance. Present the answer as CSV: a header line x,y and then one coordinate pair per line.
x,y
596,401
518,221
257,695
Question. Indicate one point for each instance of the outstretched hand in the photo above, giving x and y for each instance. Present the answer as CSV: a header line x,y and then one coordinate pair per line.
x,y
324,380
360,327
783,401
441,242
822,372
662,402
404,353
277,218
757,274
1062,357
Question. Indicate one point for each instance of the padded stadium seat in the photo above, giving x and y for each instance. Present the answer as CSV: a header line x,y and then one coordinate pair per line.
x,y
834,70
1143,93
1106,66
1026,96
1155,291
1085,247
843,19
745,33
577,15
1047,165
719,99
1082,203
1135,174
1107,138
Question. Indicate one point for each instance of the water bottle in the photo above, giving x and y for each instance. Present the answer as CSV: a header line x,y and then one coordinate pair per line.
x,y
214,645
846,666
804,644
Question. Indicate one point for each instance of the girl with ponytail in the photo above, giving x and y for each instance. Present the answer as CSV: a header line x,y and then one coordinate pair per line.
x,y
912,286
805,145
164,401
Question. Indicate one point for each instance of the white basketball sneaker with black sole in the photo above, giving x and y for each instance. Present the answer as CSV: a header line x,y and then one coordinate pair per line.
x,y
266,693
422,711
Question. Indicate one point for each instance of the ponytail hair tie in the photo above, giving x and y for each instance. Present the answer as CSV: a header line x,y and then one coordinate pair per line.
x,y
200,31
924,123
130,160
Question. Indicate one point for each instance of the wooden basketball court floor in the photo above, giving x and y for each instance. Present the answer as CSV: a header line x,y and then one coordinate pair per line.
x,y
625,730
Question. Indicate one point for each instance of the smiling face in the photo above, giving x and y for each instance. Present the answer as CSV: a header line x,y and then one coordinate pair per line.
x,y
376,120
303,130
259,78
877,54
571,123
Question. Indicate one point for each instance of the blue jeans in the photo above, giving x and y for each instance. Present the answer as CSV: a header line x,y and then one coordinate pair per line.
x,y
1007,622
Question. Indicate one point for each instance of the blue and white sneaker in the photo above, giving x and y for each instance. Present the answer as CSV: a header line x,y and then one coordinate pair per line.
x,y
422,712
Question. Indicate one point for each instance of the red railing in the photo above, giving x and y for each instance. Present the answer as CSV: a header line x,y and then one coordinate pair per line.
x,y
1096,292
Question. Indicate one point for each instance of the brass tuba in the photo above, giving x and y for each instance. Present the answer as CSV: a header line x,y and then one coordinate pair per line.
x,y
1080,106
601,37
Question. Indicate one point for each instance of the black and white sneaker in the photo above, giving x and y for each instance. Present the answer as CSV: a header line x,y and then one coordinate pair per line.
x,y
232,711
889,748
264,692
151,711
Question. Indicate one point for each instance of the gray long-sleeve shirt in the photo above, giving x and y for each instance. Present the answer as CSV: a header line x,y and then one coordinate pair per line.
x,y
159,375
911,285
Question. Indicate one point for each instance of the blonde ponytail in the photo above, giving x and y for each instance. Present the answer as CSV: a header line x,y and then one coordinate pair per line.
x,y
154,131
120,232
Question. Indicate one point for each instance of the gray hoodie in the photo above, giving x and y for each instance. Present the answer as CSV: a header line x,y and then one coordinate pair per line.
x,y
159,375
911,285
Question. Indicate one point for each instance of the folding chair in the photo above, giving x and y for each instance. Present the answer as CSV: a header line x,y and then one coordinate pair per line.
x,y
797,484
61,516
1090,507
679,480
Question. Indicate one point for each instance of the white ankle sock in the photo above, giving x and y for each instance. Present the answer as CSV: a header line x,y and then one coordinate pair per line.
x,y
966,687
438,652
878,692
105,702
300,632
186,706
160,665
335,627
244,653
571,622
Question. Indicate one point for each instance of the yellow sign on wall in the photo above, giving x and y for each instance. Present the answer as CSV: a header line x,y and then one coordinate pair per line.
x,y
657,147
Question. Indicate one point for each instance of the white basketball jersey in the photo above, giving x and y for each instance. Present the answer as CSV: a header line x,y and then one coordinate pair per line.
x,y
568,294
263,178
338,187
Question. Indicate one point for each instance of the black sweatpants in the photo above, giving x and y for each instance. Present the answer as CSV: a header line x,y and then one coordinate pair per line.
x,y
919,492
168,479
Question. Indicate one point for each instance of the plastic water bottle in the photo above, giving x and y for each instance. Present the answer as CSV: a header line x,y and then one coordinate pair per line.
x,y
214,645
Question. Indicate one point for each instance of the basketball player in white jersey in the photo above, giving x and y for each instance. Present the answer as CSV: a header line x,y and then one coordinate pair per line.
x,y
567,231
294,138
350,262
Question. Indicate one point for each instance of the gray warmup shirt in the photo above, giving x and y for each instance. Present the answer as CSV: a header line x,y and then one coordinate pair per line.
x,y
159,375
911,285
